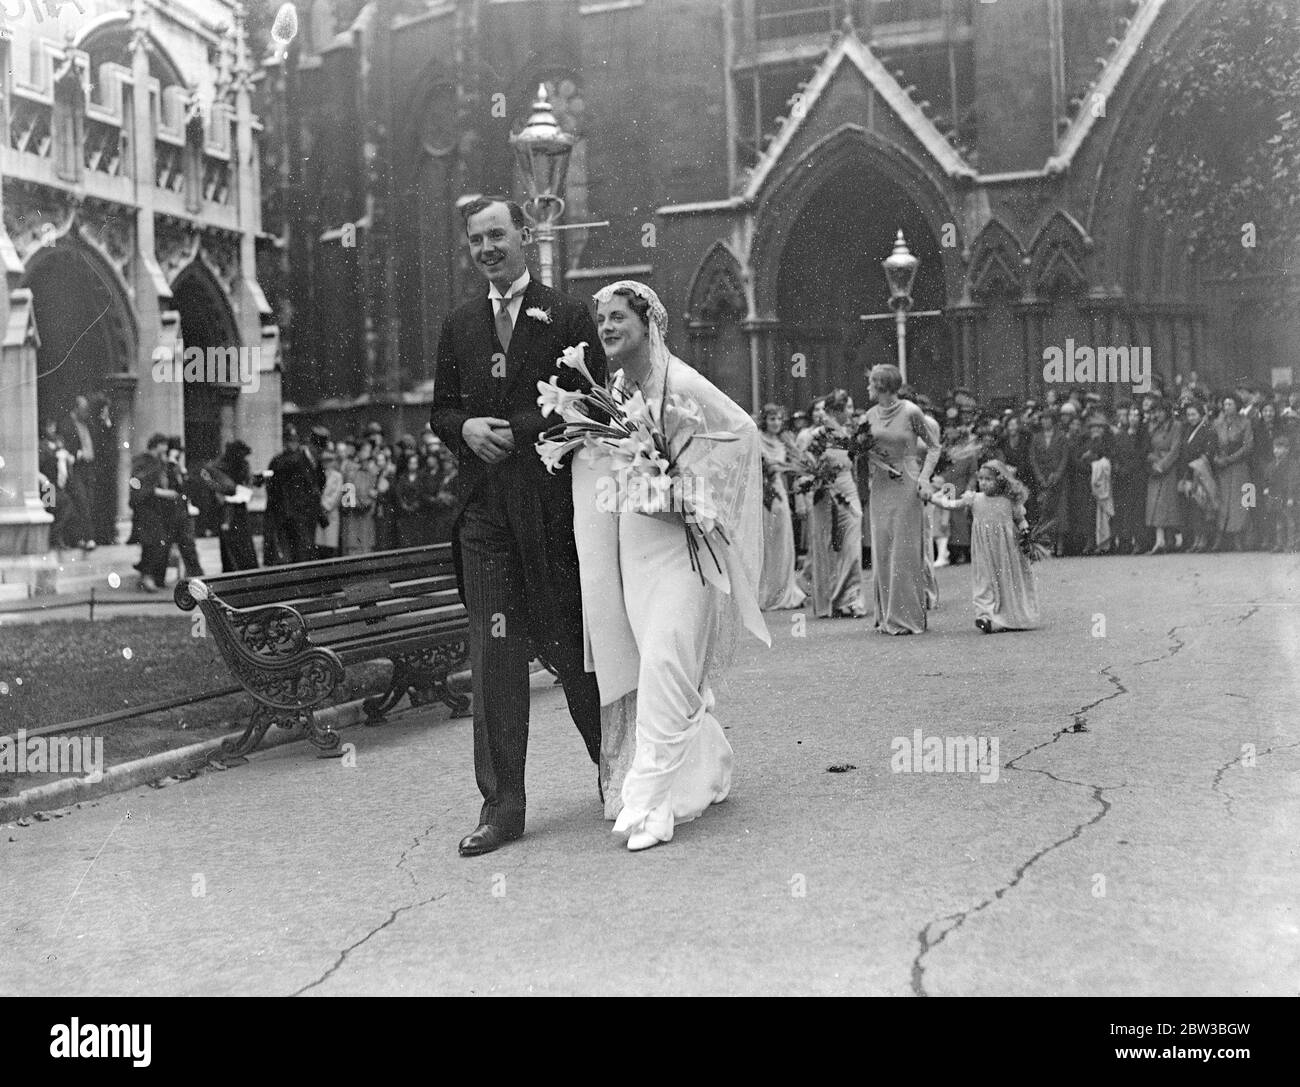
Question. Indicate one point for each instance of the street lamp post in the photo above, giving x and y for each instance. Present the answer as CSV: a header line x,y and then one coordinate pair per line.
x,y
542,150
900,270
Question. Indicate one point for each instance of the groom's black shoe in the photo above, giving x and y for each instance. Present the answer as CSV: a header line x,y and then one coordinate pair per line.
x,y
485,838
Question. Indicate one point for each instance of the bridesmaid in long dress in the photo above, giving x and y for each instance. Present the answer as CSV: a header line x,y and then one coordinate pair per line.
x,y
1002,582
836,572
777,589
900,486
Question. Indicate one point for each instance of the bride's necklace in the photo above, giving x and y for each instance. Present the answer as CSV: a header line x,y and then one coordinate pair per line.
x,y
654,376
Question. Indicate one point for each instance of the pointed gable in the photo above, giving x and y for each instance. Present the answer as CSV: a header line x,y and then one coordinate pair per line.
x,y
852,86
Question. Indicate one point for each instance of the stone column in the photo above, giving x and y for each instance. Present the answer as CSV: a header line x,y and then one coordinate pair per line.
x,y
122,388
159,406
1031,313
256,414
962,318
763,364
24,520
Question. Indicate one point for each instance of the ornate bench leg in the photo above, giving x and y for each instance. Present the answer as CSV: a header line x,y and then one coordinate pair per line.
x,y
258,722
460,705
324,738
378,705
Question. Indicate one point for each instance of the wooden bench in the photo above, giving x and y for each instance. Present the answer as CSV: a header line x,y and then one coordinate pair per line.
x,y
289,633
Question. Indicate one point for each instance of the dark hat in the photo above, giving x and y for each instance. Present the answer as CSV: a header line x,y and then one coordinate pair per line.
x,y
174,442
238,449
155,439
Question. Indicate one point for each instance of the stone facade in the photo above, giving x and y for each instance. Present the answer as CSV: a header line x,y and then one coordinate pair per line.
x,y
131,212
754,160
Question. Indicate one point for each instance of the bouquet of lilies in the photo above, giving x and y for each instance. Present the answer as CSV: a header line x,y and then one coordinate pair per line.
x,y
646,454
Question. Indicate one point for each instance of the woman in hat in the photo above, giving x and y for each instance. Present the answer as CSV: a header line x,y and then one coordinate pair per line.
x,y
331,496
1232,466
1165,445
1197,481
230,481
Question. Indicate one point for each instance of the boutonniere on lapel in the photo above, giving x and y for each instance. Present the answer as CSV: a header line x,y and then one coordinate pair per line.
x,y
539,314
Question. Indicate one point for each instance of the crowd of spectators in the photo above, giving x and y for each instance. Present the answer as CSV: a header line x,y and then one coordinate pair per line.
x,y
335,496
1175,469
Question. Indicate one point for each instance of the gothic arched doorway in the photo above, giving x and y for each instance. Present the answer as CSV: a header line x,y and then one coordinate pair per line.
x,y
830,275
207,322
86,350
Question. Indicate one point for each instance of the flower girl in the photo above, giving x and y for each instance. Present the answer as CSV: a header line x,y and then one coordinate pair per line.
x,y
1002,583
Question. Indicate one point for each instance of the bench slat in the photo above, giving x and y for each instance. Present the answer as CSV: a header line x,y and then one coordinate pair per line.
x,y
256,597
322,571
329,636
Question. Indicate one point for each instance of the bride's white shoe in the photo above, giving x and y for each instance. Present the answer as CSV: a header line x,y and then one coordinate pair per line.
x,y
642,839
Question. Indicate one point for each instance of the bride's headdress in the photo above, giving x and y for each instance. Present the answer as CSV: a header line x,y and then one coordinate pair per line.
x,y
658,315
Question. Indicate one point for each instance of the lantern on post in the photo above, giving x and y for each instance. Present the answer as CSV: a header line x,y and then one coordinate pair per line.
x,y
900,270
542,150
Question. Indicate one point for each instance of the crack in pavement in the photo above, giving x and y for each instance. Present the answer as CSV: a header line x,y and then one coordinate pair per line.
x,y
933,933
1217,782
416,842
342,957
958,919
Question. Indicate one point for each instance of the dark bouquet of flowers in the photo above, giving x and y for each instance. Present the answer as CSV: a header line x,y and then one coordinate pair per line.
x,y
770,492
819,482
822,477
863,444
1036,540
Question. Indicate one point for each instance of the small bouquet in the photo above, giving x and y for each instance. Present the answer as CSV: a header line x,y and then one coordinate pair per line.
x,y
821,479
770,493
646,452
1036,540
863,444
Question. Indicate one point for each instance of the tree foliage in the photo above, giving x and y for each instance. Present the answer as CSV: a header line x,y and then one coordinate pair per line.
x,y
1228,154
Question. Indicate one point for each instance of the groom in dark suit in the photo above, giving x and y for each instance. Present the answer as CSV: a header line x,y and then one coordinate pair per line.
x,y
513,542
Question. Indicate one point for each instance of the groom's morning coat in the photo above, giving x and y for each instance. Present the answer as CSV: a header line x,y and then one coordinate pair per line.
x,y
465,386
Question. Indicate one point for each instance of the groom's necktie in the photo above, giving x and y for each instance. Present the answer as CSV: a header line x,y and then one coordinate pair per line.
x,y
505,327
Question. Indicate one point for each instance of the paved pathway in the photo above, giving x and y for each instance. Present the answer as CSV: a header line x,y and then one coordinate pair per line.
x,y
1151,851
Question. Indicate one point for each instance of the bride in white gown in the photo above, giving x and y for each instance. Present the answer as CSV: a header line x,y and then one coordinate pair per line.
x,y
659,630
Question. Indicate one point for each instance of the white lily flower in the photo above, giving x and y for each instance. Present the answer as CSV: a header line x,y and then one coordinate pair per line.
x,y
555,398
553,452
575,358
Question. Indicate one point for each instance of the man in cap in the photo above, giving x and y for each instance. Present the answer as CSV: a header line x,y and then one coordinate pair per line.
x,y
292,502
